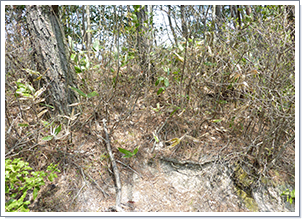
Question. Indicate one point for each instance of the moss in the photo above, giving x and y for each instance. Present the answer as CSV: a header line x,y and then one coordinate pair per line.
x,y
249,202
242,180
243,184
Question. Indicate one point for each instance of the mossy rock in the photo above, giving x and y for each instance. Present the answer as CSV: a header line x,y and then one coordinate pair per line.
x,y
243,186
243,180
249,202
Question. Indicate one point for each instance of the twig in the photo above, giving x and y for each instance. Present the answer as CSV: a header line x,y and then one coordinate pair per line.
x,y
115,170
99,187
77,193
83,176
125,117
280,152
158,130
99,136
130,168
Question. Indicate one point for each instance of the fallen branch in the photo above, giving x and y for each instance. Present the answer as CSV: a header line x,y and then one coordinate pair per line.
x,y
115,170
84,183
130,168
99,187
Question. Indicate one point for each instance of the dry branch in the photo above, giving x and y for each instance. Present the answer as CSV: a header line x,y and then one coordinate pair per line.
x,y
115,170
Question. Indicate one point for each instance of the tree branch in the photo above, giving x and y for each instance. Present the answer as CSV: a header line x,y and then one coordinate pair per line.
x,y
115,170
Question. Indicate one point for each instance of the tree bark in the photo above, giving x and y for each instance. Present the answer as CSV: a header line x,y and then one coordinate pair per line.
x,y
239,16
183,22
51,56
141,38
171,25
89,38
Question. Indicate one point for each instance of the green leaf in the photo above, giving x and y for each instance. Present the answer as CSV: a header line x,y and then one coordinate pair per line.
x,y
217,120
51,177
166,82
23,125
57,130
160,90
73,56
32,72
27,95
114,80
79,91
156,138
47,105
96,67
158,81
126,152
92,94
290,200
35,192
158,105
78,70
136,150
47,138
293,194
176,109
96,45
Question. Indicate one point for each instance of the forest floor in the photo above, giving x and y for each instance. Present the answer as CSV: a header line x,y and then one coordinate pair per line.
x,y
151,180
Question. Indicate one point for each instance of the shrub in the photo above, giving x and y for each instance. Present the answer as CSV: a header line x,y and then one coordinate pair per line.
x,y
18,181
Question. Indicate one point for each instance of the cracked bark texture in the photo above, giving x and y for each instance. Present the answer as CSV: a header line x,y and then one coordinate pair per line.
x,y
51,56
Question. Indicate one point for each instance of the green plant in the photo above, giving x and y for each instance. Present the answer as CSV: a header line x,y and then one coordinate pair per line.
x,y
157,109
128,153
165,83
18,181
54,133
30,96
290,195
89,95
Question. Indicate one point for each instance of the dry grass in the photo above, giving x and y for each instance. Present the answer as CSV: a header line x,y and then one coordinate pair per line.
x,y
219,120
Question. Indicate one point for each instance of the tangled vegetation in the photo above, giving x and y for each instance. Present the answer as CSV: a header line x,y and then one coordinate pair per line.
x,y
218,78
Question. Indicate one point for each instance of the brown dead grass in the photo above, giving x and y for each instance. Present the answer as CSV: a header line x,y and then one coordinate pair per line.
x,y
83,159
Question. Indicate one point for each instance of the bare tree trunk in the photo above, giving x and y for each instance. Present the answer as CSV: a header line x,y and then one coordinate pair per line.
x,y
183,22
171,25
290,10
218,21
248,10
141,40
233,14
51,55
89,38
239,16
83,28
213,34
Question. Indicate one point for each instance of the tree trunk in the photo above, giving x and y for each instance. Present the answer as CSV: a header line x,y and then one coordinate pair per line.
x,y
183,22
83,28
239,16
248,10
89,38
51,56
141,38
171,25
